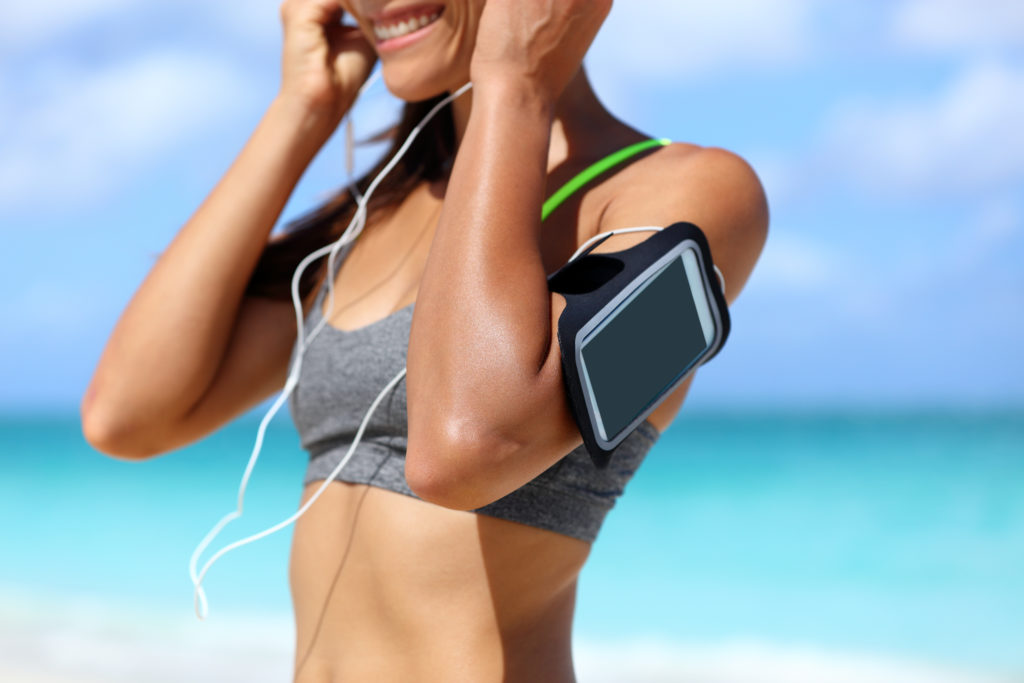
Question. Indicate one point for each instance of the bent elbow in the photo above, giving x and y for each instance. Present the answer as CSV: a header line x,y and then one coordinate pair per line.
x,y
433,484
453,473
109,438
441,477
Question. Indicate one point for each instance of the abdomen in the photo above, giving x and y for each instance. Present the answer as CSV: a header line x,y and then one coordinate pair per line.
x,y
388,586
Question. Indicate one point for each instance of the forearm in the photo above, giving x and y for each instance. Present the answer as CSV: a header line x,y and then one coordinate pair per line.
x,y
482,326
172,335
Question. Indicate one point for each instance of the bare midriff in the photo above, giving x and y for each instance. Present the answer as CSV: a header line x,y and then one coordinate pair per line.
x,y
387,588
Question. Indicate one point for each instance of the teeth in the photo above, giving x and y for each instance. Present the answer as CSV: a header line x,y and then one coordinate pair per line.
x,y
404,27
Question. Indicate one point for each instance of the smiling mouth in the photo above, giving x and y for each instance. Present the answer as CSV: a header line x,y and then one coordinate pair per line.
x,y
405,22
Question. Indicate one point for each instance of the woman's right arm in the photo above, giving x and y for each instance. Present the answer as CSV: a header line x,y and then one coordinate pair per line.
x,y
190,352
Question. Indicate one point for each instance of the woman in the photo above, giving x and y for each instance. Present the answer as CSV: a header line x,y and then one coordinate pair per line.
x,y
450,550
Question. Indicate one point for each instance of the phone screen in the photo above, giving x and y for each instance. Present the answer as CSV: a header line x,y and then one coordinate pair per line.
x,y
652,338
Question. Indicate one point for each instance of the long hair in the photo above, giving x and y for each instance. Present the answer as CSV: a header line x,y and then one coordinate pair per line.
x,y
427,159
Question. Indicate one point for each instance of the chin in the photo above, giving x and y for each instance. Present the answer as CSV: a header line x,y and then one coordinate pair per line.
x,y
416,84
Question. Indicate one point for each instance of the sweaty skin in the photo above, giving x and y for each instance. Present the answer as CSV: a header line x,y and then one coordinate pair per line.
x,y
423,592
387,587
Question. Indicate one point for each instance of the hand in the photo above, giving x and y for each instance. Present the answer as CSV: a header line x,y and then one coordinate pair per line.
x,y
324,63
539,43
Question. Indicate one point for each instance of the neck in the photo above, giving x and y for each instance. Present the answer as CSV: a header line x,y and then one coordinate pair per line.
x,y
578,118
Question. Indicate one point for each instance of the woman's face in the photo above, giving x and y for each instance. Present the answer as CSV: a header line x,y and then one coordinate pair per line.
x,y
424,47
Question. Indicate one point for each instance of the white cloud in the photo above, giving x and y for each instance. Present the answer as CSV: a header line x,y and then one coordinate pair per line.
x,y
939,25
86,131
26,24
37,25
790,263
967,139
255,21
686,39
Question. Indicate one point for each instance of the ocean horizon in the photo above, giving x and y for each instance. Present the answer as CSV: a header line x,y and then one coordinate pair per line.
x,y
833,545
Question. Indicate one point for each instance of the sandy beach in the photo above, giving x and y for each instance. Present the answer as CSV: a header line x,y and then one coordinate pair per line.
x,y
89,641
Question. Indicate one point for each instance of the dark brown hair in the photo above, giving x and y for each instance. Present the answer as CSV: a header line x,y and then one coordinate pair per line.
x,y
428,158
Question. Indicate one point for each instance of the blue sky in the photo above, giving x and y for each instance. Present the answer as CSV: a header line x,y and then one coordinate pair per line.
x,y
887,135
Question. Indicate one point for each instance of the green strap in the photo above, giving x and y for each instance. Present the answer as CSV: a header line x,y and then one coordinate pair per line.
x,y
596,169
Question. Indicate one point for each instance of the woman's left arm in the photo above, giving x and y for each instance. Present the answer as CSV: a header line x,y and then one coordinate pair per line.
x,y
479,364
484,414
486,400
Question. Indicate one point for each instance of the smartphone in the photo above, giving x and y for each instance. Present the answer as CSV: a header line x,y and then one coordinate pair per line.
x,y
637,324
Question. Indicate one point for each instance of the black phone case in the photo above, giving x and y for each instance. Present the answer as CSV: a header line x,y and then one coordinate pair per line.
x,y
586,282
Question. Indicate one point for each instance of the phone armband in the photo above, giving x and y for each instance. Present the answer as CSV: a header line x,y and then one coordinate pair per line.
x,y
637,322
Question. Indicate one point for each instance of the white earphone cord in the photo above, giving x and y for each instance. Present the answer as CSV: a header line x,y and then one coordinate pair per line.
x,y
350,233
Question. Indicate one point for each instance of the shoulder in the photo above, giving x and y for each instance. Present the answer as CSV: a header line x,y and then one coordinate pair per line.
x,y
682,167
711,187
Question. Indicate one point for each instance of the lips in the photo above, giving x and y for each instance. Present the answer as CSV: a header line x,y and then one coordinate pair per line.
x,y
404,21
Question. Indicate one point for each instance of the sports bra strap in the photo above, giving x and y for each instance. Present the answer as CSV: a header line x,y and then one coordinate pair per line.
x,y
596,169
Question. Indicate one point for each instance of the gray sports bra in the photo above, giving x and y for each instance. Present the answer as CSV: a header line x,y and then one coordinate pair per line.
x,y
344,371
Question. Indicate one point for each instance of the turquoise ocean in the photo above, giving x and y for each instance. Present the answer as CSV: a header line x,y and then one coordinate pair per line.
x,y
748,547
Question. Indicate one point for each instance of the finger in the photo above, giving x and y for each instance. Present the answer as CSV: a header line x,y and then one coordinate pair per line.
x,y
322,12
343,36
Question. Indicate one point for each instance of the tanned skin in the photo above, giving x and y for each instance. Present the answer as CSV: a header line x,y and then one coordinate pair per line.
x,y
388,587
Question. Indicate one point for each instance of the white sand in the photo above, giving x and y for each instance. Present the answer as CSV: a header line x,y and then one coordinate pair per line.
x,y
90,641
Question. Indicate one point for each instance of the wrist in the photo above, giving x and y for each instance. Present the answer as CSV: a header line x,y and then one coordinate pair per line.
x,y
313,125
513,118
517,91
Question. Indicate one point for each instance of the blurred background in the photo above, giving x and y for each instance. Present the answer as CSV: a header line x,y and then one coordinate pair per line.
x,y
839,499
